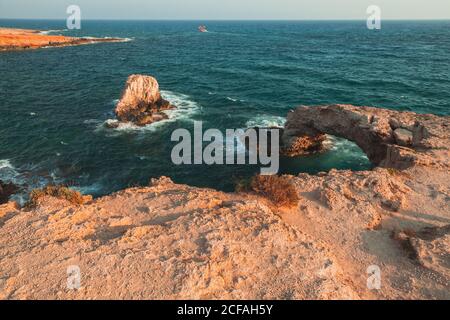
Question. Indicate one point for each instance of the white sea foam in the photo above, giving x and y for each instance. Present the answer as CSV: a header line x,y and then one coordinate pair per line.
x,y
92,121
53,31
185,106
266,121
8,173
90,189
107,38
5,164
117,126
127,39
345,147
235,99
238,147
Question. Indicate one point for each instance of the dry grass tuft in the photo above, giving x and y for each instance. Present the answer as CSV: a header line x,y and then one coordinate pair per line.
x,y
56,191
398,173
242,184
278,189
393,172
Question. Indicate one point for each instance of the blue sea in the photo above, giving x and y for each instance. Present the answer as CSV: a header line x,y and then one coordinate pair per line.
x,y
54,102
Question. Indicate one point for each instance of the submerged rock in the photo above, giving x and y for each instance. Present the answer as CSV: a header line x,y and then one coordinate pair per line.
x,y
141,101
7,190
111,124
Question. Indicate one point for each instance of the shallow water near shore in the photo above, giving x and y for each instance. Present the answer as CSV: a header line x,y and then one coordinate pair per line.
x,y
241,74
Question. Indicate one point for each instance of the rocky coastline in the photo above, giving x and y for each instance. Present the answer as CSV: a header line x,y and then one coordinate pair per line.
x,y
171,241
23,39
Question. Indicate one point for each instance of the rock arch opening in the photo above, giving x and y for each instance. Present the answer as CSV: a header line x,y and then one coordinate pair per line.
x,y
390,139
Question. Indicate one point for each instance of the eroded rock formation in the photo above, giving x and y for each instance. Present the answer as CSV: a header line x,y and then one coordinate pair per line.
x,y
390,138
290,147
141,102
303,145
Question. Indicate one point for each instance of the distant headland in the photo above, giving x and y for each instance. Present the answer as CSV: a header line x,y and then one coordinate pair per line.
x,y
26,39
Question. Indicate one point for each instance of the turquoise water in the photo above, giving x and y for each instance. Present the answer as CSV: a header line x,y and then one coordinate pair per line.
x,y
53,102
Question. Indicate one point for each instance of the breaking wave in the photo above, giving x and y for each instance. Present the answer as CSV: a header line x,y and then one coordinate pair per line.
x,y
9,174
107,38
7,171
186,108
345,148
53,31
266,121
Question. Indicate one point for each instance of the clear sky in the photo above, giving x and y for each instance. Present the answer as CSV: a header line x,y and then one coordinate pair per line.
x,y
226,9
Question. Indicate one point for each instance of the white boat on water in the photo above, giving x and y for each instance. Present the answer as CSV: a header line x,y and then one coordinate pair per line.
x,y
202,28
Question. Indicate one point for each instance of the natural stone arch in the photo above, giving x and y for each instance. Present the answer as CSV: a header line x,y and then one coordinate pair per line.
x,y
389,138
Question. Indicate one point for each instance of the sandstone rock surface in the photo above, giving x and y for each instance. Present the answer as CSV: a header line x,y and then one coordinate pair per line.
x,y
403,137
166,241
141,102
429,247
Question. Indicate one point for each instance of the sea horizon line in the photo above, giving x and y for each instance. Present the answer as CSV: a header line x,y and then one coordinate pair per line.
x,y
231,20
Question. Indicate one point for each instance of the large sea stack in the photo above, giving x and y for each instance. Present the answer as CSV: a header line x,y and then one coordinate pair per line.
x,y
141,102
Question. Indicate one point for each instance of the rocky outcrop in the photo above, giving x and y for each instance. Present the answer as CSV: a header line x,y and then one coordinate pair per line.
x,y
6,190
389,138
141,102
303,145
21,39
290,147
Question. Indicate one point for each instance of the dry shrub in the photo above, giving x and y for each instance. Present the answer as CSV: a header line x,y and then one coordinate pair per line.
x,y
396,172
393,171
242,184
278,189
56,191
